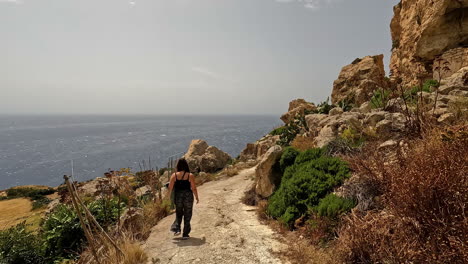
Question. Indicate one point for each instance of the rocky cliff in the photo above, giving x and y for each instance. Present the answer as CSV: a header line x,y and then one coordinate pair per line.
x,y
423,30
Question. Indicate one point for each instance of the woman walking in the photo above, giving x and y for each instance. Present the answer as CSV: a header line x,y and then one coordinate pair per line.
x,y
183,184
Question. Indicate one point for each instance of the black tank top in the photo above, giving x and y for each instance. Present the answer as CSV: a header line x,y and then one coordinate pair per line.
x,y
182,184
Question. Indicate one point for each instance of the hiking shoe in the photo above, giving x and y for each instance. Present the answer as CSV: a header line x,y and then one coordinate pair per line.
x,y
176,233
185,237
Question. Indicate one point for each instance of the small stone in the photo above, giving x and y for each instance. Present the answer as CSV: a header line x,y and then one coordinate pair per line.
x,y
388,144
335,111
447,118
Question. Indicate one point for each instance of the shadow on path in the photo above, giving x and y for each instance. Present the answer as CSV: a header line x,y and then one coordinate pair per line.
x,y
191,242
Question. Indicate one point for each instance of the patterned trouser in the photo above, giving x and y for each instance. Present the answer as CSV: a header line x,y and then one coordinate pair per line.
x,y
184,205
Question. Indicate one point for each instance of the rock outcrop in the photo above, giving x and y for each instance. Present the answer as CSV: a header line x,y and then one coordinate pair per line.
x,y
254,151
423,30
298,106
202,157
358,80
268,174
327,128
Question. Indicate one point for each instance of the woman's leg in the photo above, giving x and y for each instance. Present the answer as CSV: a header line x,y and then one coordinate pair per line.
x,y
188,207
179,203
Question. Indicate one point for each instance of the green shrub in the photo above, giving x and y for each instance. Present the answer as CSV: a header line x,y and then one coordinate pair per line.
x,y
429,84
342,146
40,203
278,131
19,246
346,104
333,206
106,211
288,157
309,155
28,192
324,107
303,184
63,233
380,98
289,134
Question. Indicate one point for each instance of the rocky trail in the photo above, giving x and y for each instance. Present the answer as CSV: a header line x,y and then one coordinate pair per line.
x,y
224,230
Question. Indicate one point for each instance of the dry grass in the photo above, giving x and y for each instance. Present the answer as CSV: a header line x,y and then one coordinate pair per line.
x,y
133,253
303,143
250,197
302,251
130,247
424,196
153,211
14,211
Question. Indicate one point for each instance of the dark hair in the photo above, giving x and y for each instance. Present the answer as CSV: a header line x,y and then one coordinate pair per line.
x,y
182,165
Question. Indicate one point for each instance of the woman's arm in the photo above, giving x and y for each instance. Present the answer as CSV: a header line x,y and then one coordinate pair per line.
x,y
171,184
194,186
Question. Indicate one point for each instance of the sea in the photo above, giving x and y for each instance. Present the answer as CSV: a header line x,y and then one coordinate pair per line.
x,y
39,150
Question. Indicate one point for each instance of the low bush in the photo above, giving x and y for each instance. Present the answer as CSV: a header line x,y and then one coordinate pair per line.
x,y
324,107
333,206
291,131
340,146
288,157
424,196
29,192
19,246
309,155
63,233
278,131
346,104
153,211
380,98
106,211
429,85
309,179
40,203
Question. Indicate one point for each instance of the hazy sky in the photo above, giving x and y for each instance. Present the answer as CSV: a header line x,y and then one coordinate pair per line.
x,y
181,56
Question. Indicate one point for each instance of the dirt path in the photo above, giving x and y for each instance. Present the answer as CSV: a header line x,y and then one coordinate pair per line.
x,y
224,230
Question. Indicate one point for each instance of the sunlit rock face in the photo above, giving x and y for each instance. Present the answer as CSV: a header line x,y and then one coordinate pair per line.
x,y
423,30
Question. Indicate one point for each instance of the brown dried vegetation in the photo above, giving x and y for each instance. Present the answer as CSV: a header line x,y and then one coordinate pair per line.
x,y
424,195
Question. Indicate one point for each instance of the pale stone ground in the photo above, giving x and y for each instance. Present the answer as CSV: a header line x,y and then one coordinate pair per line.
x,y
224,230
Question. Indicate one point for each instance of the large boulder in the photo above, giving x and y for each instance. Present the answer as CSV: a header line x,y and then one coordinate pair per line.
x,y
268,174
297,107
457,81
255,151
425,30
358,80
202,157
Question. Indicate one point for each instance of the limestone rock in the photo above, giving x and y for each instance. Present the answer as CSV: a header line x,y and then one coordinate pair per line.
x,y
447,118
197,147
268,175
202,157
326,135
457,81
388,144
423,30
254,151
142,191
365,107
373,118
336,111
357,81
298,106
313,122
